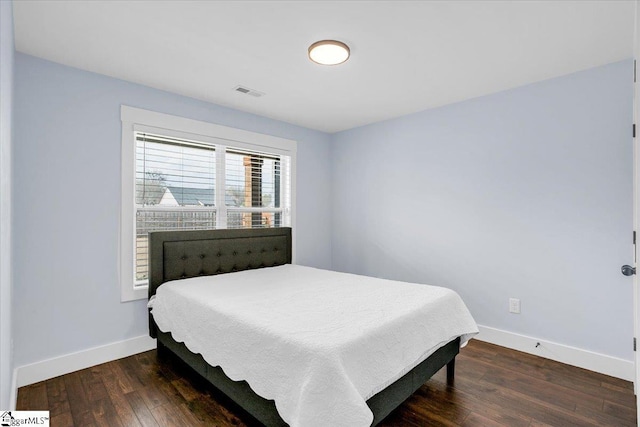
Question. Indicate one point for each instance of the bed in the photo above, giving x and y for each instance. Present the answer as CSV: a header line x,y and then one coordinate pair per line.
x,y
183,262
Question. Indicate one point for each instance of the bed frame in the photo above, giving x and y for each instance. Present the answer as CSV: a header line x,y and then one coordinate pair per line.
x,y
183,254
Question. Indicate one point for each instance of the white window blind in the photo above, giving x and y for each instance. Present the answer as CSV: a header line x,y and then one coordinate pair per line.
x,y
178,187
175,190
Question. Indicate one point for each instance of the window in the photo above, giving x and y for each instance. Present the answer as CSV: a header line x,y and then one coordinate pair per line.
x,y
181,174
175,190
254,187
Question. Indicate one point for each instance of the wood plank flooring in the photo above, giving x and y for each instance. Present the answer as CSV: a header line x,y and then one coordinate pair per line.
x,y
493,386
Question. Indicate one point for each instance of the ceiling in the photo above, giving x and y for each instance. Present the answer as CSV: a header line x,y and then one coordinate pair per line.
x,y
405,56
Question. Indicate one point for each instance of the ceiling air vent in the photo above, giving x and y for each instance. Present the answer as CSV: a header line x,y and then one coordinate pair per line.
x,y
247,91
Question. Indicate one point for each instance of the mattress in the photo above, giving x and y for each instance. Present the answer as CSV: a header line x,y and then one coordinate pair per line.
x,y
317,342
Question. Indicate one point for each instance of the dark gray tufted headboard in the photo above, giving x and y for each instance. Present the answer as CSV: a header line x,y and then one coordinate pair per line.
x,y
183,254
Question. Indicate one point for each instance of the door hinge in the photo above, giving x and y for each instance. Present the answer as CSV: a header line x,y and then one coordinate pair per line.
x,y
634,344
634,237
634,130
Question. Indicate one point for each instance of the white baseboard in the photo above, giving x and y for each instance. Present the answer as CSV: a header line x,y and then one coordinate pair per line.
x,y
581,358
46,369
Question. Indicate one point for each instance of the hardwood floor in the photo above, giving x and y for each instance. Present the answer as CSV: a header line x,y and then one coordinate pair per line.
x,y
493,386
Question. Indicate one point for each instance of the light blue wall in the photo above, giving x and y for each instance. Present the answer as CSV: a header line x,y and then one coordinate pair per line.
x,y
525,193
6,102
67,202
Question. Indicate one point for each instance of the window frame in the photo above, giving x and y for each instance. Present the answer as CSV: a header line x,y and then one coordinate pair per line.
x,y
140,120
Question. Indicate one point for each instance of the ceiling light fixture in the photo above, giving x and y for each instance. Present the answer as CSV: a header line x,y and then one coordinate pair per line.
x,y
329,52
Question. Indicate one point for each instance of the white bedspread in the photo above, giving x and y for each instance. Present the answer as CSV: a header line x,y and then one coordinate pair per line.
x,y
318,342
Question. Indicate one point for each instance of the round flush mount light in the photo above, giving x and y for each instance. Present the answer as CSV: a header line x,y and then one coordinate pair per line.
x,y
329,52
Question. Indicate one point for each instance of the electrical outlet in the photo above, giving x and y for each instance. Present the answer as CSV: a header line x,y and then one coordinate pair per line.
x,y
514,305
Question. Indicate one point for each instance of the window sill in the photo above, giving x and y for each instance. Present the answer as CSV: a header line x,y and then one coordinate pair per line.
x,y
133,293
